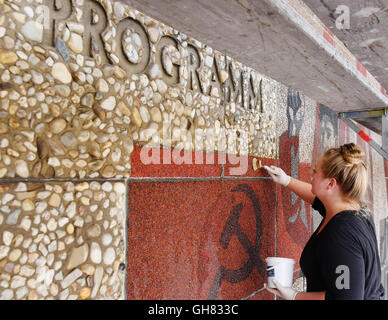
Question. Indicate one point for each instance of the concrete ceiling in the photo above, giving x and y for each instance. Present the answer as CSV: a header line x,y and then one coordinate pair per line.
x,y
265,35
367,36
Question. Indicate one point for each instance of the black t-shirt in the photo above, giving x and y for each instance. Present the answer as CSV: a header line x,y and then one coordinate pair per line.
x,y
343,258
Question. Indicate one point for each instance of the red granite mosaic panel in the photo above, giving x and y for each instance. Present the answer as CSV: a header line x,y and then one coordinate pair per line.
x,y
293,214
157,162
199,239
293,225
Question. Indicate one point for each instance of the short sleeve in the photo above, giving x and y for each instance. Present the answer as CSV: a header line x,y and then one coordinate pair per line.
x,y
318,206
343,266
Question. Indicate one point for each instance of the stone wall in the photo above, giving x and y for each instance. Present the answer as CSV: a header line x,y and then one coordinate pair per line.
x,y
62,240
126,152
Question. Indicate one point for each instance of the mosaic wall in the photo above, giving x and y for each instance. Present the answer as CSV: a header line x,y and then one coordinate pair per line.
x,y
112,79
62,240
126,152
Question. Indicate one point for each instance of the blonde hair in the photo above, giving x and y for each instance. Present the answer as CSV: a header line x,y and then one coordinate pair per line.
x,y
346,165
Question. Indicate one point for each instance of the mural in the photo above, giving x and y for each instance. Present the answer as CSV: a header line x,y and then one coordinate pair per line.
x,y
329,128
232,227
179,250
84,85
295,212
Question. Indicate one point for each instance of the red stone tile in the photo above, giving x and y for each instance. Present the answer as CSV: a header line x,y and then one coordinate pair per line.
x,y
361,68
237,166
157,162
327,29
199,239
328,37
361,139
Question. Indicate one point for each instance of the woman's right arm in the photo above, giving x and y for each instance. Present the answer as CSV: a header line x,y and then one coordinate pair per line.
x,y
300,188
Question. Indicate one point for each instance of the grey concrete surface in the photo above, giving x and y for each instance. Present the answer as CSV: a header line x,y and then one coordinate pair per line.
x,y
258,34
365,35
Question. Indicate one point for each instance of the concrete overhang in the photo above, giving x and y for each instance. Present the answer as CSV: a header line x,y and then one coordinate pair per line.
x,y
282,39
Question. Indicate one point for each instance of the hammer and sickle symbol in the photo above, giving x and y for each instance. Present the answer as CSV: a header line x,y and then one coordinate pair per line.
x,y
232,227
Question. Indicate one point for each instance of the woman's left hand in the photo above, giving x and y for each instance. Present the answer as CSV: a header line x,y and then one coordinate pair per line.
x,y
283,292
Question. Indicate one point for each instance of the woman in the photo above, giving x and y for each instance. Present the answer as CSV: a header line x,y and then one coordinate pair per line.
x,y
340,260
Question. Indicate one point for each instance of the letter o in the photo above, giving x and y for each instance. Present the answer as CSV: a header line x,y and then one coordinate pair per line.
x,y
134,26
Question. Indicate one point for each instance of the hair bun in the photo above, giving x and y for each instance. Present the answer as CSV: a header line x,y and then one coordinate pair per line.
x,y
352,154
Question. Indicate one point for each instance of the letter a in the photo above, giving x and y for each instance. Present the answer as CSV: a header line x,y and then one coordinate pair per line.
x,y
343,21
342,281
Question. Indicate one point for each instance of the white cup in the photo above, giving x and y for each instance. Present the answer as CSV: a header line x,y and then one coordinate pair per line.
x,y
280,269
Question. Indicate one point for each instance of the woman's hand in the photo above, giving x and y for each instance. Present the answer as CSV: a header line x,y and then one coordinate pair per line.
x,y
278,175
283,292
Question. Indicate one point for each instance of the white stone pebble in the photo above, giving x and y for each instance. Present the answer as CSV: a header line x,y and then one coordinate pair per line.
x,y
71,277
95,253
109,103
106,239
109,256
7,294
7,237
106,186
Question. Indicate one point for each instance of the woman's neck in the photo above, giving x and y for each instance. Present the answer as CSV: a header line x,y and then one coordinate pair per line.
x,y
334,206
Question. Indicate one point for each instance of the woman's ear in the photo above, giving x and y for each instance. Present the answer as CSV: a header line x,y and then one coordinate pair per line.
x,y
332,183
